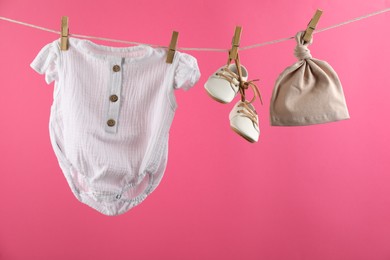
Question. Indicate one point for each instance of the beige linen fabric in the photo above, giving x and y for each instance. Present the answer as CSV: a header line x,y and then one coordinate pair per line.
x,y
308,92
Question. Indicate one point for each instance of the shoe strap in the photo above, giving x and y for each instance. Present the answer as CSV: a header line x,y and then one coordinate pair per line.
x,y
248,112
230,76
244,85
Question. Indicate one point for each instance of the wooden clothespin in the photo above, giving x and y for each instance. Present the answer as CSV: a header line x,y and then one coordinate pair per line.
x,y
233,55
172,47
64,33
233,52
312,26
235,44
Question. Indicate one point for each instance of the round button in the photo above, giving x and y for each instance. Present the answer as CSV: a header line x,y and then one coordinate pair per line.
x,y
113,98
110,122
116,68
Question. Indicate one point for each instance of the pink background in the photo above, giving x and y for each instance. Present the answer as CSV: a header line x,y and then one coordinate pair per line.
x,y
318,192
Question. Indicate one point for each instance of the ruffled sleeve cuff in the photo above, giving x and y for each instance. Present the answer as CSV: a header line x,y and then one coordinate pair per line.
x,y
46,62
187,72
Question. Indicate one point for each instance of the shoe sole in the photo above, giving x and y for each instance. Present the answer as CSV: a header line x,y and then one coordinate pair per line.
x,y
243,135
216,99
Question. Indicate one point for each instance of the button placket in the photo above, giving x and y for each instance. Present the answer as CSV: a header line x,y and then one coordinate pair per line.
x,y
114,96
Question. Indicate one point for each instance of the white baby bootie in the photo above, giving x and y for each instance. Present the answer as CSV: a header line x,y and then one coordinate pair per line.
x,y
223,85
244,121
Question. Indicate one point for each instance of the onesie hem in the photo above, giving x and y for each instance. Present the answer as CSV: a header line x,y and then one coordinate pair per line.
x,y
87,197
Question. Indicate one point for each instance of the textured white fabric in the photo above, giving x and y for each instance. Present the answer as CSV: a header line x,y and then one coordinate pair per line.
x,y
112,168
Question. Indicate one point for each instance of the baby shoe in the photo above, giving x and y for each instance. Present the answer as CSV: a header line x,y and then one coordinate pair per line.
x,y
223,85
244,121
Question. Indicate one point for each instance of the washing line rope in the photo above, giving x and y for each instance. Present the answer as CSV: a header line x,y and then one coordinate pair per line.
x,y
199,49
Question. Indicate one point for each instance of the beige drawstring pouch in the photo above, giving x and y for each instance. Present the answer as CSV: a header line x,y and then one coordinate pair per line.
x,y
308,92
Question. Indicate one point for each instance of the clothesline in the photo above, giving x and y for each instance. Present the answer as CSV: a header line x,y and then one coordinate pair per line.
x,y
199,49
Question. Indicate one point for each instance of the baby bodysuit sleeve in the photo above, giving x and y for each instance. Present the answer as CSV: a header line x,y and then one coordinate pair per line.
x,y
187,72
47,61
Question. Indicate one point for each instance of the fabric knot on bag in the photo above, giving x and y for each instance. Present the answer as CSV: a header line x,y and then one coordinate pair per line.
x,y
302,51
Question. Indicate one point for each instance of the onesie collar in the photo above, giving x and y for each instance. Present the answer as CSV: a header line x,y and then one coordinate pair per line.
x,y
132,53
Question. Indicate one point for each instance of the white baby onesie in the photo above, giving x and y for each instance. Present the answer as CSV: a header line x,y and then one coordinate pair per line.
x,y
110,118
